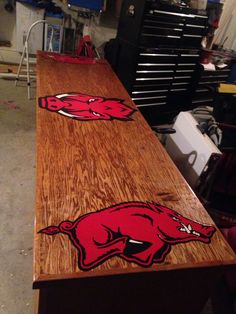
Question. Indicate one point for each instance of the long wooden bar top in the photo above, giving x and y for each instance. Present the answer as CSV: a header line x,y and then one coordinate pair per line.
x,y
88,160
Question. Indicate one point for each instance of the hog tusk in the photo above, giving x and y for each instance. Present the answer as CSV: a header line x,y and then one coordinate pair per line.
x,y
189,230
69,115
186,228
64,95
196,233
134,241
96,114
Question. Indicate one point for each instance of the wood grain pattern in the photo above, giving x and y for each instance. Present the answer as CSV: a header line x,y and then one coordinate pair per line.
x,y
83,166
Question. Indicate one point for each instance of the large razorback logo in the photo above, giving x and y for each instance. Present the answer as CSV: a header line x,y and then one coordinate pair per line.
x,y
136,231
87,107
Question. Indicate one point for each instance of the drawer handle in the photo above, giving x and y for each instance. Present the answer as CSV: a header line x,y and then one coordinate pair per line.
x,y
157,64
181,71
144,98
154,78
195,36
216,76
178,14
161,71
214,82
150,91
162,36
178,89
152,104
162,22
185,55
181,77
200,90
201,100
195,26
158,54
182,83
164,28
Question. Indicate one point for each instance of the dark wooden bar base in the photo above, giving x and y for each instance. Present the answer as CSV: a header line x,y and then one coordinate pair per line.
x,y
168,292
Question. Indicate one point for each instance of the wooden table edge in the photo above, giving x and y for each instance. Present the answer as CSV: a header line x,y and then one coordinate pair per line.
x,y
51,280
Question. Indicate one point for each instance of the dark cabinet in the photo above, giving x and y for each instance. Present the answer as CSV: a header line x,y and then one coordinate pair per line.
x,y
156,56
208,82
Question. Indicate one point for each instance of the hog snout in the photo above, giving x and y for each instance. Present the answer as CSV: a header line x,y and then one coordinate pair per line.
x,y
208,231
42,102
51,103
197,230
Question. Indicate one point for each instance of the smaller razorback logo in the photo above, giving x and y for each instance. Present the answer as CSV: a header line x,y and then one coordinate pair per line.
x,y
136,231
86,107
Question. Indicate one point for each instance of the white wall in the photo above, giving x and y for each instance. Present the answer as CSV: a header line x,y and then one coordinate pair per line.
x,y
227,29
8,32
101,34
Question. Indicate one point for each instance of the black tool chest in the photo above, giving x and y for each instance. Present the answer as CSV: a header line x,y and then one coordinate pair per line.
x,y
157,50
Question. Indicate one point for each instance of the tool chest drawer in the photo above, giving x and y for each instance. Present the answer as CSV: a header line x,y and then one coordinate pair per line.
x,y
214,77
218,75
206,88
150,101
165,26
163,77
150,95
153,66
185,58
182,20
157,56
152,90
203,96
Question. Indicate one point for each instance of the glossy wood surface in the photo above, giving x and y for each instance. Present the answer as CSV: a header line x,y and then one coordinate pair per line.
x,y
84,166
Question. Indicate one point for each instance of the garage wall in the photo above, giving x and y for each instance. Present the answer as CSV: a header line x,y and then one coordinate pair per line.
x,y
226,34
99,34
8,32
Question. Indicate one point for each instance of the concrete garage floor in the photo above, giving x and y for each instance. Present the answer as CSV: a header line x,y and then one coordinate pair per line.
x,y
17,185
17,189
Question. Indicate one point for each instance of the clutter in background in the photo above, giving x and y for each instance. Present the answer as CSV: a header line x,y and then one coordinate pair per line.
x,y
207,123
70,21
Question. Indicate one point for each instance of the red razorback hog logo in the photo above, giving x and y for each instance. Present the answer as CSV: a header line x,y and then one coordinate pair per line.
x,y
87,107
138,232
